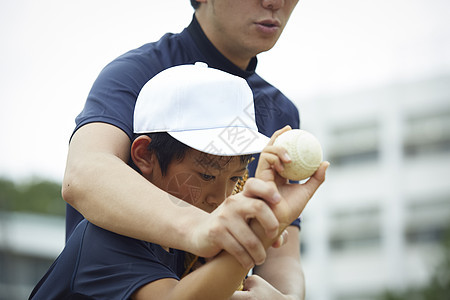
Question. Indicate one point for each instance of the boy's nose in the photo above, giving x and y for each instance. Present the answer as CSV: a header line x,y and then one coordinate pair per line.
x,y
216,196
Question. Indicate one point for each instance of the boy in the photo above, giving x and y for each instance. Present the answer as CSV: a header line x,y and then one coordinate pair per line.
x,y
195,135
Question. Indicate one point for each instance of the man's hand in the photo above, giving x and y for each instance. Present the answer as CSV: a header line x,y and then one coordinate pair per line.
x,y
227,227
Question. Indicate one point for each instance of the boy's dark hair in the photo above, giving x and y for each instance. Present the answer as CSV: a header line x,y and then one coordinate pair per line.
x,y
195,4
167,148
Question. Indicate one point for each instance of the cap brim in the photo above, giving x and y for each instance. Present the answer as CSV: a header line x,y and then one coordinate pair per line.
x,y
228,141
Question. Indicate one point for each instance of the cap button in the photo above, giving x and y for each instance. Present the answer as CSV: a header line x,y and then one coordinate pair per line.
x,y
201,64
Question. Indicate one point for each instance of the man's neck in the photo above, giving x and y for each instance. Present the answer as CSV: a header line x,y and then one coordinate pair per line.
x,y
214,57
238,58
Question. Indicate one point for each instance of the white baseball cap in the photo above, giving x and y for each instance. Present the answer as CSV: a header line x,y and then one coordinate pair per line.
x,y
207,109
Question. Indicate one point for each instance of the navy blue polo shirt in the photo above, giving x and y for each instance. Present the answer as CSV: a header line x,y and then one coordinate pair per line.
x,y
99,264
114,93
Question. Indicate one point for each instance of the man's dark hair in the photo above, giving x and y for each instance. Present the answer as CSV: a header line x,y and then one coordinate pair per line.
x,y
167,148
195,4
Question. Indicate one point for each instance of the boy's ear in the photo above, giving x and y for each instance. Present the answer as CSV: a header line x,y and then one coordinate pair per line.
x,y
141,156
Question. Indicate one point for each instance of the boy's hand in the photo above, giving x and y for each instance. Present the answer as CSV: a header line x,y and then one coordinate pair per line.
x,y
271,160
295,196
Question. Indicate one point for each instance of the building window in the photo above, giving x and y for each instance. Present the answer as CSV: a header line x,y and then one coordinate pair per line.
x,y
427,219
354,144
427,134
359,228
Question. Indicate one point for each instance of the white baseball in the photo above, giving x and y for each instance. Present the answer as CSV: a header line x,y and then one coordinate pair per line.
x,y
305,153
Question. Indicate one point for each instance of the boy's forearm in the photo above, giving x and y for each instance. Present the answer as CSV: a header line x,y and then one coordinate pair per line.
x,y
219,278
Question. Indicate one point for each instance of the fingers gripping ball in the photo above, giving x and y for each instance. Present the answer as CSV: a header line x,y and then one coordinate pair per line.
x,y
305,152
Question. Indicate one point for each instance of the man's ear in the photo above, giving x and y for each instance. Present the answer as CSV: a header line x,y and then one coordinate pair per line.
x,y
141,156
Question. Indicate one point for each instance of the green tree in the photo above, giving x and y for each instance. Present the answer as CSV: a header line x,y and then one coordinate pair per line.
x,y
36,195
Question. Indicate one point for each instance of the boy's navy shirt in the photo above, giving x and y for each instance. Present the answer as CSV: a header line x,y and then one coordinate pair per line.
x,y
99,264
114,93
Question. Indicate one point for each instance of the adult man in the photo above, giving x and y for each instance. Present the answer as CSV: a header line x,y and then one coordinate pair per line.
x,y
227,35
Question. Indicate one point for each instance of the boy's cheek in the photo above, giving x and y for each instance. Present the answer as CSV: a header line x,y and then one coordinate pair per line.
x,y
185,186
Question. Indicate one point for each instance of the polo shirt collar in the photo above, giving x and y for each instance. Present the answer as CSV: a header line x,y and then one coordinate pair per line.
x,y
215,58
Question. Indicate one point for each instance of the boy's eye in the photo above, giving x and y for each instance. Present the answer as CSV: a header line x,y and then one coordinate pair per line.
x,y
207,177
236,178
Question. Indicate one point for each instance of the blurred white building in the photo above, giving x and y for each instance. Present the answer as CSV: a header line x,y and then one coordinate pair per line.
x,y
376,222
374,225
28,245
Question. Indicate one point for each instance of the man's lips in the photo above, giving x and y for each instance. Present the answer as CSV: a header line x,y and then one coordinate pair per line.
x,y
268,27
269,23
